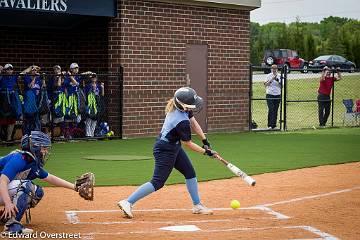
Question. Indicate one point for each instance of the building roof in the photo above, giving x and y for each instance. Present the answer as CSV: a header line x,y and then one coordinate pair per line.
x,y
237,4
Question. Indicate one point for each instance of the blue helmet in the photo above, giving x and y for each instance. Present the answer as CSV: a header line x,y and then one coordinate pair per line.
x,y
34,142
186,99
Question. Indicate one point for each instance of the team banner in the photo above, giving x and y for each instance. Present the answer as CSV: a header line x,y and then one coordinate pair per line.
x,y
106,8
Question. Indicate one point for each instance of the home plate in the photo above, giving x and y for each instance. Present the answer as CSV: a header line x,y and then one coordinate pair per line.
x,y
181,228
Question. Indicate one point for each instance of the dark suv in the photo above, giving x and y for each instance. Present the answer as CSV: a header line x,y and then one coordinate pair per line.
x,y
283,57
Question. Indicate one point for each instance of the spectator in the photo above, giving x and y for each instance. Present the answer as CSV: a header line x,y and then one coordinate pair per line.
x,y
93,91
72,82
57,93
10,107
273,95
32,87
324,91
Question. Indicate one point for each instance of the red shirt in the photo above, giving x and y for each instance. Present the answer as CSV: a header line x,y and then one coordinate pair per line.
x,y
326,86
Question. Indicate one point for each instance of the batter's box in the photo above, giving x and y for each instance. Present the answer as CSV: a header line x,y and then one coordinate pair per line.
x,y
167,216
154,222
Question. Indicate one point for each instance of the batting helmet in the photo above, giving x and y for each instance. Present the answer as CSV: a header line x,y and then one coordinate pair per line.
x,y
186,99
34,142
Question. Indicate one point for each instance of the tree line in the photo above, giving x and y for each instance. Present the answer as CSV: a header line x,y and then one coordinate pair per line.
x,y
333,35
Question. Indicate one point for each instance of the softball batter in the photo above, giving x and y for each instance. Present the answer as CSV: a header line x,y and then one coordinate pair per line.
x,y
169,154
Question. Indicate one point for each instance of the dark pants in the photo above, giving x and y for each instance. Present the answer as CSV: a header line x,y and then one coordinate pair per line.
x,y
273,103
324,103
167,156
31,123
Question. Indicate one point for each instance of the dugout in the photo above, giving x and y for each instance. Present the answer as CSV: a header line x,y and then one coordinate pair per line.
x,y
157,45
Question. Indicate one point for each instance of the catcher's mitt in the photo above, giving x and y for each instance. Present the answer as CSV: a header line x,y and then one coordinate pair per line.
x,y
85,186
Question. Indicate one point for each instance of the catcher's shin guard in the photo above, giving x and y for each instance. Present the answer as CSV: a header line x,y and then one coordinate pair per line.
x,y
28,196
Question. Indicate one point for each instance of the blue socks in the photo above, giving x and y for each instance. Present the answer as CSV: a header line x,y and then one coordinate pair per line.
x,y
147,188
192,187
141,192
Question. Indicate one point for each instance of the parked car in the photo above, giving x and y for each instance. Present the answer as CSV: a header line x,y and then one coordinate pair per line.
x,y
283,57
332,61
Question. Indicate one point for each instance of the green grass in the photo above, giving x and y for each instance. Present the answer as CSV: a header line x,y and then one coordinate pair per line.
x,y
253,152
304,115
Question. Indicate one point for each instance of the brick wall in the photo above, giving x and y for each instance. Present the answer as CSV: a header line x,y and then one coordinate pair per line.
x,y
149,40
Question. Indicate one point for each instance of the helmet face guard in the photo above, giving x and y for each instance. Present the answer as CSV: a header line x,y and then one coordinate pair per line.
x,y
38,143
186,99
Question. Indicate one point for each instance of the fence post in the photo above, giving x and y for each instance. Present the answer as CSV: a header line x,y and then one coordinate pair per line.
x,y
250,95
121,83
284,69
332,99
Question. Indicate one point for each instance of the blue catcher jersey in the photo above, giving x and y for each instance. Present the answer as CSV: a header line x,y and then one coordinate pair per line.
x,y
176,127
15,166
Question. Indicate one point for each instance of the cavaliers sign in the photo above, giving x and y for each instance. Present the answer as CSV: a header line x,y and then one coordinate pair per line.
x,y
45,5
79,7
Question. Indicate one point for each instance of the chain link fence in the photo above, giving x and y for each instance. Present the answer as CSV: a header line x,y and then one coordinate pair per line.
x,y
51,105
299,99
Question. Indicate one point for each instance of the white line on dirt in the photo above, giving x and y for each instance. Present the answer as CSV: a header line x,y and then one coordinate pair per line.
x,y
276,214
316,231
323,235
174,222
310,197
162,210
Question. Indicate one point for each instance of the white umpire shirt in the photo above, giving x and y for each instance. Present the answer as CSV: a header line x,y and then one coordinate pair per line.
x,y
275,87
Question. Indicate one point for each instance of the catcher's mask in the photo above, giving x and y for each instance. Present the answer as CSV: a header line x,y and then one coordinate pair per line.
x,y
38,143
186,99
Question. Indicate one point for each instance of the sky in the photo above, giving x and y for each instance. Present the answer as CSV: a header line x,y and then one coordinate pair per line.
x,y
287,11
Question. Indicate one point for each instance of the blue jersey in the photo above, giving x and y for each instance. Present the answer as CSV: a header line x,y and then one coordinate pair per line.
x,y
176,127
37,86
71,89
89,88
17,166
8,82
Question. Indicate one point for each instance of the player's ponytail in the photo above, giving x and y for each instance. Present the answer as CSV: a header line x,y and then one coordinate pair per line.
x,y
170,106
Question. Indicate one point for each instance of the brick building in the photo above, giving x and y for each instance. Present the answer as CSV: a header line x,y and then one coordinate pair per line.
x,y
158,46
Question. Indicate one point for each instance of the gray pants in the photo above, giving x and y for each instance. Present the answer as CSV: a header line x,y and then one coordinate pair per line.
x,y
90,126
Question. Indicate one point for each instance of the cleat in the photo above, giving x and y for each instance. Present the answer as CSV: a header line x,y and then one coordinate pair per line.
x,y
201,209
16,228
126,207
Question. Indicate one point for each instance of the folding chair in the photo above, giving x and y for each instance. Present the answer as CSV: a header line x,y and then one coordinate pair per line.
x,y
350,117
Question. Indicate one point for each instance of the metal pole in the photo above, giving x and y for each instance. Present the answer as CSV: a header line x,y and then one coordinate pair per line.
x,y
250,96
332,100
285,97
121,88
281,98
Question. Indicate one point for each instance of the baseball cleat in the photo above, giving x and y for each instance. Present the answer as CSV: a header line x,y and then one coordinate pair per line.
x,y
126,207
201,209
16,228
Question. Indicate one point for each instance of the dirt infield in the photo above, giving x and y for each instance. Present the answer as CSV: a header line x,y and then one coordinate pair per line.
x,y
314,203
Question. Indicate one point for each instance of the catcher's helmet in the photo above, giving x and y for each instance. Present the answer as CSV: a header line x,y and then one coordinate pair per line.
x,y
186,99
34,142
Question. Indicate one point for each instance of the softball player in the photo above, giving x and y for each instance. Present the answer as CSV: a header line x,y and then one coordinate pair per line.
x,y
169,154
17,192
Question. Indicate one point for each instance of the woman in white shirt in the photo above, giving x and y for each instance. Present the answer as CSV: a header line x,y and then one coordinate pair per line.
x,y
273,95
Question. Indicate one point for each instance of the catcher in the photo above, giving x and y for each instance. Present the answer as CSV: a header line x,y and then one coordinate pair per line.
x,y
17,191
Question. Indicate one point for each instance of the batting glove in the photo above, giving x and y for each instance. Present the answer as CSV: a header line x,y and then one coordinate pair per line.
x,y
210,153
206,144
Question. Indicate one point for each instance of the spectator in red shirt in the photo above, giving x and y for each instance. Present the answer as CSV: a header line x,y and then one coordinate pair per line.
x,y
324,101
